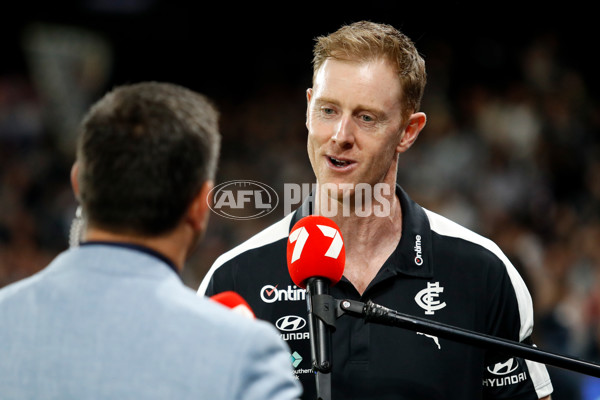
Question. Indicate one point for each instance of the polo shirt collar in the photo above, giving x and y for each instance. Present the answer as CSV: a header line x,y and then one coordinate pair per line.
x,y
413,255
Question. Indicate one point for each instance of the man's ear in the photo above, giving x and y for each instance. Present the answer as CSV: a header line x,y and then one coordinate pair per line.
x,y
74,180
199,210
416,123
309,93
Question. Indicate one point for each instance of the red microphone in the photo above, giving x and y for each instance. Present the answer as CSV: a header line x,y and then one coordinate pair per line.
x,y
315,249
235,302
316,257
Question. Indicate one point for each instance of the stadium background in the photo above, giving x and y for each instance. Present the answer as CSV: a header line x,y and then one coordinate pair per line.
x,y
510,150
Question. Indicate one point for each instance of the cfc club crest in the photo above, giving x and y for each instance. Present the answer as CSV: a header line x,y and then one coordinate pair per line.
x,y
427,298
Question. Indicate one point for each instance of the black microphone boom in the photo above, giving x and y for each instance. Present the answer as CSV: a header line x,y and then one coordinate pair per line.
x,y
378,314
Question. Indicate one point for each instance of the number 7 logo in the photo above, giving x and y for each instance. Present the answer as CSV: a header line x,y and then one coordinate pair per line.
x,y
300,236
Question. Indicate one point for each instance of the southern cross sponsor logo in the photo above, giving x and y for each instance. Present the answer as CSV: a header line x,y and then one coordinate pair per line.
x,y
296,359
271,294
427,298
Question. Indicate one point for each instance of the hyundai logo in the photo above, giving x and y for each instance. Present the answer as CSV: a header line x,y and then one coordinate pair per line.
x,y
504,368
290,323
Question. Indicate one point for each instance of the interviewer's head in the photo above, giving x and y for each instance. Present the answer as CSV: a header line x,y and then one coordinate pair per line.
x,y
145,153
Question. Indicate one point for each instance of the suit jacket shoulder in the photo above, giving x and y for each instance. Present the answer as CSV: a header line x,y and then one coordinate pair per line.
x,y
107,322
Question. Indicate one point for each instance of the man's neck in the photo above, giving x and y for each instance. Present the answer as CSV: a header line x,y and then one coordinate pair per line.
x,y
369,239
164,244
364,232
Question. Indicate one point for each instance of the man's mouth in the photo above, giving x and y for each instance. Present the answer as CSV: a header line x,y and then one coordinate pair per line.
x,y
339,163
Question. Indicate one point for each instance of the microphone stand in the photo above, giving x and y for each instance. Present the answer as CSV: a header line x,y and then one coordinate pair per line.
x,y
321,322
327,310
372,312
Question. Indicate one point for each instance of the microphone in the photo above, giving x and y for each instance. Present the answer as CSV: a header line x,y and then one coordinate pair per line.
x,y
316,257
315,249
235,302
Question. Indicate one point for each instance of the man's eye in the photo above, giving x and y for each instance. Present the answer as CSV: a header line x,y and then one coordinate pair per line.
x,y
367,118
327,111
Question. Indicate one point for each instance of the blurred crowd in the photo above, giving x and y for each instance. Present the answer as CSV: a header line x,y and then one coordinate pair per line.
x,y
511,153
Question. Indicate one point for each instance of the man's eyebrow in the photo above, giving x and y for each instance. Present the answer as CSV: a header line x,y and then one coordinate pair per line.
x,y
324,100
361,107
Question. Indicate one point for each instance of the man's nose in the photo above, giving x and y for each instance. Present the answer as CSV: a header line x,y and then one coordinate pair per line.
x,y
344,133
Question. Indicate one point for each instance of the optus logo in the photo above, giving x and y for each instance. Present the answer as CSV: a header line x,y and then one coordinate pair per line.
x,y
242,199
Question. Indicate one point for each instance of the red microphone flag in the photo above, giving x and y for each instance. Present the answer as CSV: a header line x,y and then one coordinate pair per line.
x,y
315,248
234,301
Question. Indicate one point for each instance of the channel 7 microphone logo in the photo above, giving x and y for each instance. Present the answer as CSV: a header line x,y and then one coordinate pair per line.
x,y
315,249
300,236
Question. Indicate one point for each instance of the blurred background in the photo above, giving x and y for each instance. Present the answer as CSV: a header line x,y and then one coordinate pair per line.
x,y
511,148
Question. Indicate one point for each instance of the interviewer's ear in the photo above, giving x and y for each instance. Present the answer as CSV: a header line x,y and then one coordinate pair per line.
x,y
74,181
416,123
199,210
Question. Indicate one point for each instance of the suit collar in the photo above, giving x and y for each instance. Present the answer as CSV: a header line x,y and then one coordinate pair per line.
x,y
138,248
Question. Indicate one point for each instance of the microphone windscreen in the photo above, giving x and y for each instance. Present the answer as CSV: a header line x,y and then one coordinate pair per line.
x,y
315,248
235,302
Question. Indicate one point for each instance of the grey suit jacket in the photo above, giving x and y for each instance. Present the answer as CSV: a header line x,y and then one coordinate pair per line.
x,y
107,322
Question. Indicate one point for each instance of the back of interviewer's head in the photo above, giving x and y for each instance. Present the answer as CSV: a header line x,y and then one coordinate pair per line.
x,y
143,153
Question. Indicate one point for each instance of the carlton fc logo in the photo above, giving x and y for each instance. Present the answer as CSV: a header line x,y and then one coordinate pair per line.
x,y
427,298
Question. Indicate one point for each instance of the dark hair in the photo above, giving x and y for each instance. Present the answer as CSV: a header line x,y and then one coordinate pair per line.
x,y
144,151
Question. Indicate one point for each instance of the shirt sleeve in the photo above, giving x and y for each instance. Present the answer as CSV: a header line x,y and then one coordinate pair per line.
x,y
507,377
